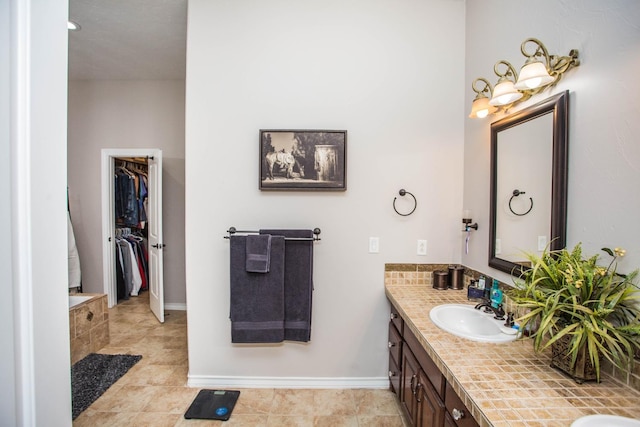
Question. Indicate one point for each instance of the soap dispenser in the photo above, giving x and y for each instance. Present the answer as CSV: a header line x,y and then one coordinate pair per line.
x,y
496,295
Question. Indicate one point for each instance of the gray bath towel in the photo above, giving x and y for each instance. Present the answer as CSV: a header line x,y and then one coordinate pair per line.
x,y
298,283
258,253
257,300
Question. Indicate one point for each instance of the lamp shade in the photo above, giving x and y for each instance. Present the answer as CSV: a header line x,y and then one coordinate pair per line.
x,y
481,108
533,75
504,93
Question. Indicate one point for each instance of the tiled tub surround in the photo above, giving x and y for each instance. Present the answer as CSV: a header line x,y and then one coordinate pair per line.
x,y
88,325
502,384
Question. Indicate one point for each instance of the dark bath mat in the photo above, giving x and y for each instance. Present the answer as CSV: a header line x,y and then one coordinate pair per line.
x,y
213,405
93,375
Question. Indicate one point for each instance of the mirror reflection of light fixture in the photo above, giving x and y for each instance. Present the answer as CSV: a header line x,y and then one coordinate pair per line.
x,y
540,70
468,226
481,107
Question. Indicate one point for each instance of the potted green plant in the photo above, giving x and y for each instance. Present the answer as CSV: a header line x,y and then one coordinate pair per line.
x,y
583,311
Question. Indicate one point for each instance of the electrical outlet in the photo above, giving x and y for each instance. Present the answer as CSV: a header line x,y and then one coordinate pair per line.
x,y
374,245
542,242
422,247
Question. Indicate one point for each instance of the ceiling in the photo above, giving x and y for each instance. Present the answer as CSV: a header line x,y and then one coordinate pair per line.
x,y
128,39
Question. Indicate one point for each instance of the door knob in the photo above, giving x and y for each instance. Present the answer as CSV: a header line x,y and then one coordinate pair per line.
x,y
159,246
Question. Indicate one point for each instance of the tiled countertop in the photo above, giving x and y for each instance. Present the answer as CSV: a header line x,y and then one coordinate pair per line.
x,y
506,384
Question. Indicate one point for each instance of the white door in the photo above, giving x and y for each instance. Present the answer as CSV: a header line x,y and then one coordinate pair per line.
x,y
154,217
156,284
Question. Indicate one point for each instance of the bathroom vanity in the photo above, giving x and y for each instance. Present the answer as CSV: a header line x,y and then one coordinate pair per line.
x,y
425,395
439,377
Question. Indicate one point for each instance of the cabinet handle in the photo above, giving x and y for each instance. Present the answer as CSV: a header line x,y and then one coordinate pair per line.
x,y
392,374
391,344
413,387
457,414
417,393
393,316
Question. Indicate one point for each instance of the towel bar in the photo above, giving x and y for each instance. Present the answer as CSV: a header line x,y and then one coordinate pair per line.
x,y
316,234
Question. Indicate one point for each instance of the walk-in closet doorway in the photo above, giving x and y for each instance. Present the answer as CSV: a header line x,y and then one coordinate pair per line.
x,y
111,230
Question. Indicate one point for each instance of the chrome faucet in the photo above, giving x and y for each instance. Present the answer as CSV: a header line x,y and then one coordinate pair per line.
x,y
488,308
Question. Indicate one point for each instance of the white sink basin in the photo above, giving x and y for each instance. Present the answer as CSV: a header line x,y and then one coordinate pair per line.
x,y
465,321
605,421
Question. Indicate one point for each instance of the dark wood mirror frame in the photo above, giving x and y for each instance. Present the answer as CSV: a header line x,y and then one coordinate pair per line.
x,y
558,105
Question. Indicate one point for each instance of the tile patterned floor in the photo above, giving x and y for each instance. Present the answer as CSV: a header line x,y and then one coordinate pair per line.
x,y
154,391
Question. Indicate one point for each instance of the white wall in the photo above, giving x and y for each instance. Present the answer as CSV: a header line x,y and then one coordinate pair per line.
x,y
604,155
7,350
37,390
389,72
126,114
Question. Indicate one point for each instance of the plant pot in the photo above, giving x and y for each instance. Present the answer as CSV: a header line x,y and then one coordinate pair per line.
x,y
561,359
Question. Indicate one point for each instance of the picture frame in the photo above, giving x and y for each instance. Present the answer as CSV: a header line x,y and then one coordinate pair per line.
x,y
303,160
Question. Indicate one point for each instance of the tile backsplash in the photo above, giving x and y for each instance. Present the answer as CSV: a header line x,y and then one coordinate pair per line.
x,y
422,275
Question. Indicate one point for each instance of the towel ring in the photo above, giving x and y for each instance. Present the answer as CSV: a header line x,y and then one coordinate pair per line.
x,y
516,193
402,192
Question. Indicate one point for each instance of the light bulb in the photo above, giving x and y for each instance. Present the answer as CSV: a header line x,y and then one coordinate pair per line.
x,y
482,113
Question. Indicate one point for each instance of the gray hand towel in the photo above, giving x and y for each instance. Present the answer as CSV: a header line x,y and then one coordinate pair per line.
x,y
257,300
298,283
258,253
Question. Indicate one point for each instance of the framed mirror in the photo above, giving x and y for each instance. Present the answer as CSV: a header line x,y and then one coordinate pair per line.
x,y
528,209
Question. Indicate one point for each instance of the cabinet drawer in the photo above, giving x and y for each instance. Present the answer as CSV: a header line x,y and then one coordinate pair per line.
x,y
395,344
456,408
396,319
394,376
425,361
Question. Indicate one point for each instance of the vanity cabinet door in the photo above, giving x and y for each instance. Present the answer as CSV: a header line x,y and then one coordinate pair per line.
x,y
410,372
419,398
430,407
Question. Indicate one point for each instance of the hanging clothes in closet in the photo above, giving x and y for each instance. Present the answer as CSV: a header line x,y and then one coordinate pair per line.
x,y
130,195
132,273
132,258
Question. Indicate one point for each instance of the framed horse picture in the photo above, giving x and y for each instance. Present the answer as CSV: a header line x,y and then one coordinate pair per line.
x,y
303,160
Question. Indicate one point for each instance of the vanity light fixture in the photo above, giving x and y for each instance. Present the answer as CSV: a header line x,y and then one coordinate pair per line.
x,y
505,93
540,70
481,107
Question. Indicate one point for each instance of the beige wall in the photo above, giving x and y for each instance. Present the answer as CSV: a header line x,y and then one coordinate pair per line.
x,y
126,114
604,155
391,74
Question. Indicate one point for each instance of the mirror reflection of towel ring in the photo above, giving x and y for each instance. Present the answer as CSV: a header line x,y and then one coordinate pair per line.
x,y
516,193
402,193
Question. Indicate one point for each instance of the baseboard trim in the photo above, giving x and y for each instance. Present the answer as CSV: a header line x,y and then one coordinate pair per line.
x,y
175,306
202,381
